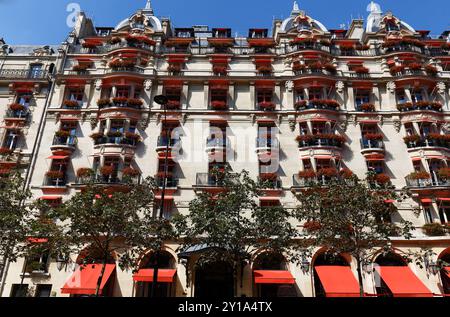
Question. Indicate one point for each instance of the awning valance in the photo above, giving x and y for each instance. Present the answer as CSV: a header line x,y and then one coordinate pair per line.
x,y
84,281
273,277
146,275
402,282
338,281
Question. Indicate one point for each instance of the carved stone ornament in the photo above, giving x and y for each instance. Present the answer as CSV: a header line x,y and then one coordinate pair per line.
x,y
94,121
397,125
148,84
343,125
390,86
98,84
292,123
340,86
441,87
289,85
446,127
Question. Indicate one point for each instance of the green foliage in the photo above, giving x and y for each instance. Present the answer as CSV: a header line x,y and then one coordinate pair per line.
x,y
232,224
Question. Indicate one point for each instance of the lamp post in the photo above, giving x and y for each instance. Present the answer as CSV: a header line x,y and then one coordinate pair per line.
x,y
161,100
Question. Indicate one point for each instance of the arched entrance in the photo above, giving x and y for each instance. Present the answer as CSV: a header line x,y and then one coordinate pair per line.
x,y
166,272
214,280
390,260
326,259
274,264
445,272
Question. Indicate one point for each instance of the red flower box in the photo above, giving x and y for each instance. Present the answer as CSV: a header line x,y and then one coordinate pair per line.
x,y
103,102
5,151
397,69
307,174
303,40
415,66
444,172
131,172
328,172
174,68
312,226
71,103
62,133
300,104
382,179
374,136
411,138
80,68
135,102
346,173
173,104
361,70
16,107
85,172
55,174
97,135
133,136
368,107
107,170
219,105
222,70
305,138
298,67
120,100
267,105
419,175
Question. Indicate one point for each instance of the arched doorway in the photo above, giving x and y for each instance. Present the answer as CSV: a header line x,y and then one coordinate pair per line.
x,y
274,264
391,259
214,280
166,272
326,259
445,272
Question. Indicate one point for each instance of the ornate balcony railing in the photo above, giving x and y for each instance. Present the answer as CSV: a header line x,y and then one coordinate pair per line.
x,y
321,142
65,141
54,182
404,48
131,69
270,183
426,183
23,74
171,182
109,180
19,114
115,141
300,182
428,143
208,180
371,144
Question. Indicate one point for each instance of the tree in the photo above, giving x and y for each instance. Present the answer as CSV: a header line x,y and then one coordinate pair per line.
x,y
351,216
232,224
14,209
104,220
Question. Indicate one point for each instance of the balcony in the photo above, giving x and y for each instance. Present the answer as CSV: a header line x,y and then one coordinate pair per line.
x,y
415,142
54,182
115,141
22,115
216,144
64,142
372,145
305,182
120,102
171,182
420,106
24,74
108,180
266,106
403,48
163,142
302,46
432,182
332,140
208,180
318,104
265,145
126,45
270,184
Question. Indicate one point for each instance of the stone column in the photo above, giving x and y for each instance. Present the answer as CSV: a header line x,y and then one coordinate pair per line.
x,y
206,95
351,97
277,95
87,94
231,96
62,93
184,95
376,97
252,96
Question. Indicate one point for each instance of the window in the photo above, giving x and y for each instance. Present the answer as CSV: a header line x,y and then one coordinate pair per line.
x,y
362,97
428,214
409,128
444,212
401,96
320,128
369,129
426,129
11,140
315,93
117,126
36,71
303,25
377,167
137,93
123,92
392,27
24,99
264,95
76,95
417,96
38,263
70,126
299,95
18,290
303,128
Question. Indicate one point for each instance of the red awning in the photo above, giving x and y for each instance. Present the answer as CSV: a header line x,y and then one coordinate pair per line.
x,y
274,277
58,157
447,271
375,157
403,282
426,201
338,281
84,281
166,198
37,240
146,275
389,201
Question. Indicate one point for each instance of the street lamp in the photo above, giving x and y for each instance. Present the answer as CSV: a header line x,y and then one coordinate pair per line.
x,y
161,100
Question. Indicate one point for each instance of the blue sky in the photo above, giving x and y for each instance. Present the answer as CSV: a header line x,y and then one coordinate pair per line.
x,y
44,21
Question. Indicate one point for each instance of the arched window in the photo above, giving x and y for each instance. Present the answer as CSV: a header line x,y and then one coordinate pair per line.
x,y
390,259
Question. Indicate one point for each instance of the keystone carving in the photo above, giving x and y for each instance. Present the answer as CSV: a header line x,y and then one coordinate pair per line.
x,y
397,125
148,84
390,86
289,85
441,87
98,84
340,86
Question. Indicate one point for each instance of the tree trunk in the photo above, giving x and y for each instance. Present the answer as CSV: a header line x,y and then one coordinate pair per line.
x,y
360,277
100,278
155,275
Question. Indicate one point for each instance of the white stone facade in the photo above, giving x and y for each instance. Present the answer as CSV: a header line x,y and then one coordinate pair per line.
x,y
279,72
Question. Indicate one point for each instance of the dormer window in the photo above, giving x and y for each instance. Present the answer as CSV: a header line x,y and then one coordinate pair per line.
x,y
391,26
303,25
222,33
258,33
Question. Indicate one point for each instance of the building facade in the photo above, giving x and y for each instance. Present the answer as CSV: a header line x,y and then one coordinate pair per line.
x,y
374,97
